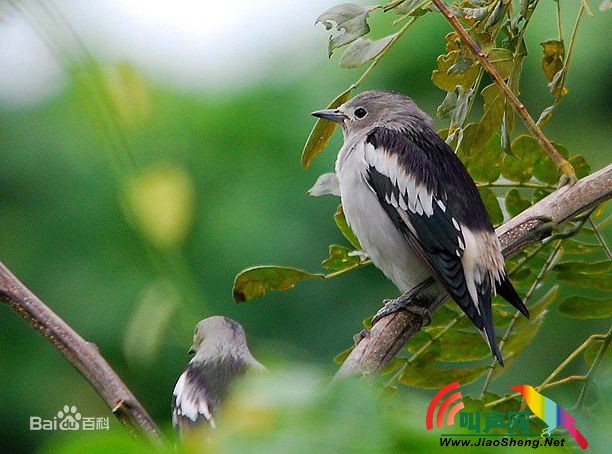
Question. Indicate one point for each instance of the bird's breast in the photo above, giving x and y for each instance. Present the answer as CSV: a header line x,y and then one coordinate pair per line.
x,y
380,239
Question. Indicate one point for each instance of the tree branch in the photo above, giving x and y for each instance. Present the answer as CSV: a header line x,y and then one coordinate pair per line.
x,y
564,166
390,334
83,355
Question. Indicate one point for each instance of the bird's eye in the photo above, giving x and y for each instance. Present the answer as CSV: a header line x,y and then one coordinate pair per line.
x,y
360,112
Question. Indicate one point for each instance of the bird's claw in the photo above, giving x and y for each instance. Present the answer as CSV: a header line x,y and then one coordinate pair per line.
x,y
402,304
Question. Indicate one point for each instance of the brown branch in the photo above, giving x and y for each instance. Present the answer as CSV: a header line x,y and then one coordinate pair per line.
x,y
83,355
390,334
564,166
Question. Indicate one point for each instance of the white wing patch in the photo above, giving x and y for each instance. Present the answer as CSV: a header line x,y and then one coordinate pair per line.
x,y
190,402
412,196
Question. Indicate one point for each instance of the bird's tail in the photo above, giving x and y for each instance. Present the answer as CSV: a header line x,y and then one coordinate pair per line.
x,y
571,428
506,290
484,302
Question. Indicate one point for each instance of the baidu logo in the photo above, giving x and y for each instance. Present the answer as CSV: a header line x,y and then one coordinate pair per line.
x,y
69,418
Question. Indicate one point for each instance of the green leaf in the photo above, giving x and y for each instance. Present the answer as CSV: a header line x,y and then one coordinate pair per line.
x,y
601,281
461,109
525,329
349,19
485,165
555,87
545,169
516,202
545,116
581,167
496,15
592,351
341,357
523,337
502,60
477,135
407,7
538,308
519,165
448,104
339,258
433,377
257,281
461,65
363,50
345,228
584,267
573,246
448,81
586,308
444,316
473,14
553,52
326,184
492,205
322,131
461,346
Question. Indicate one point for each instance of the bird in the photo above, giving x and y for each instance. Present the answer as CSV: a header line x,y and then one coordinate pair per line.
x,y
415,209
221,355
550,412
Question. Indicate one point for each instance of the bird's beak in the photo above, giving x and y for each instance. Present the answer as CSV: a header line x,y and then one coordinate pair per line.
x,y
330,114
518,388
191,350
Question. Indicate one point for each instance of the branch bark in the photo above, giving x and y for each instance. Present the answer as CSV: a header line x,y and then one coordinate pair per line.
x,y
562,164
390,334
83,355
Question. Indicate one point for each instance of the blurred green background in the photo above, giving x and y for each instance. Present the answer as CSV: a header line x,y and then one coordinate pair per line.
x,y
212,183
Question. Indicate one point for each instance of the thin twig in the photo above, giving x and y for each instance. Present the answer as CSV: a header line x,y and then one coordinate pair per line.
x,y
83,355
570,379
601,239
594,367
564,166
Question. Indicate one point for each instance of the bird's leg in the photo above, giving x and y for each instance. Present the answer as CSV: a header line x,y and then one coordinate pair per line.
x,y
545,432
407,302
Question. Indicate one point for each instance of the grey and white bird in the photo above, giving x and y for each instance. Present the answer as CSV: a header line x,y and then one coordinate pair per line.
x,y
415,209
221,355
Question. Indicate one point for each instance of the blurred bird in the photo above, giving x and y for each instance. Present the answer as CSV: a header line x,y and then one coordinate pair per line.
x,y
550,412
221,355
415,210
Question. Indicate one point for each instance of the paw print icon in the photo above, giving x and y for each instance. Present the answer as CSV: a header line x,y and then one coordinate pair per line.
x,y
69,418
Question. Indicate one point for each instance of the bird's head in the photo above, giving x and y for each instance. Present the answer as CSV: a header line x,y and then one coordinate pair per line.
x,y
376,108
217,333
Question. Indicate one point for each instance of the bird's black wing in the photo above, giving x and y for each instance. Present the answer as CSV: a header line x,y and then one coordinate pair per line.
x,y
201,388
429,196
192,403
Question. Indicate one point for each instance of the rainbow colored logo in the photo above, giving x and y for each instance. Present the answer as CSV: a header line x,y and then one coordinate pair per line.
x,y
550,412
446,403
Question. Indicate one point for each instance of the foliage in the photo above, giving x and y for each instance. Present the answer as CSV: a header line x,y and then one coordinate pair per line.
x,y
511,170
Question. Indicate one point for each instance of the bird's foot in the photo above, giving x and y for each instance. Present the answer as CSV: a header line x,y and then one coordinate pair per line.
x,y
407,302
400,304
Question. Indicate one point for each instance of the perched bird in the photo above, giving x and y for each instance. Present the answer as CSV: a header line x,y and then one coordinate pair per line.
x,y
415,209
221,355
550,412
